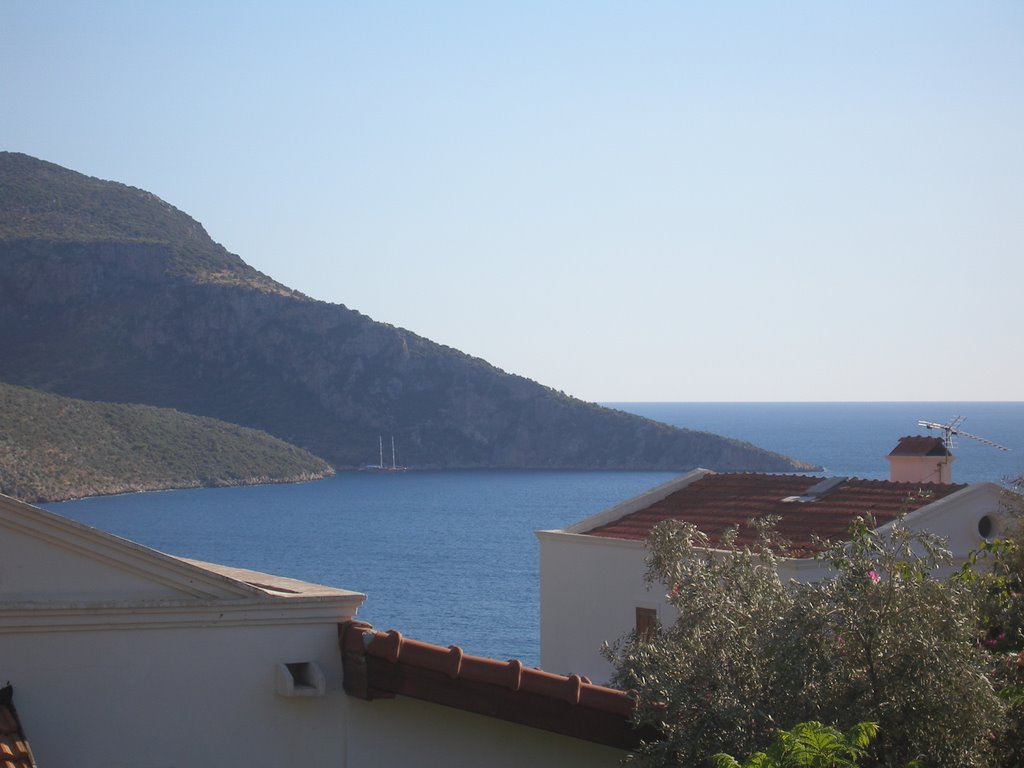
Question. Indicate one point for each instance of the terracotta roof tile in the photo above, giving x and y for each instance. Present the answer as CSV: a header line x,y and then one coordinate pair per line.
x,y
14,749
716,502
920,445
385,664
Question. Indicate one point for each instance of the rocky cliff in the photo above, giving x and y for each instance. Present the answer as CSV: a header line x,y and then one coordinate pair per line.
x,y
108,293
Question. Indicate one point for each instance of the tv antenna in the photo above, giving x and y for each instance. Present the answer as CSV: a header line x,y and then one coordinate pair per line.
x,y
951,430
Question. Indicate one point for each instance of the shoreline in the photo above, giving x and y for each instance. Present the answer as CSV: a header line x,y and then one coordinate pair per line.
x,y
125,489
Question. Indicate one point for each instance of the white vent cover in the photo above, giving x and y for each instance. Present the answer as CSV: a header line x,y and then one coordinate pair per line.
x,y
303,678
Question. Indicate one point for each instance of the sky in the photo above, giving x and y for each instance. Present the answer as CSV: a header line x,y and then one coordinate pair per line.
x,y
626,201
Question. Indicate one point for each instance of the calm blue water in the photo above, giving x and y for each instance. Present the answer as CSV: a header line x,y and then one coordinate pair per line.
x,y
450,557
854,438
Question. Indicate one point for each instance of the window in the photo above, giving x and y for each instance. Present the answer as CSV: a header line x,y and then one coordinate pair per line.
x,y
646,621
985,527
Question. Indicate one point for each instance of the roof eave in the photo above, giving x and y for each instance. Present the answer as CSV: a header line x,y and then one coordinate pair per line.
x,y
559,705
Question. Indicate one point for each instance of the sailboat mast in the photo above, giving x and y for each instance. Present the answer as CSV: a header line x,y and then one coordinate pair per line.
x,y
380,439
393,464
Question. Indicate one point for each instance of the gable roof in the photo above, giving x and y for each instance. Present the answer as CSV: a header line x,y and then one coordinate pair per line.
x,y
384,664
807,506
92,559
58,572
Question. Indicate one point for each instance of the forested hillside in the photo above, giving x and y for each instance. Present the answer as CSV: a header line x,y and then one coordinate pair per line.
x,y
54,448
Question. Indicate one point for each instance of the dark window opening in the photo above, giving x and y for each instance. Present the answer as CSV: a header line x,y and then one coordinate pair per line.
x,y
646,622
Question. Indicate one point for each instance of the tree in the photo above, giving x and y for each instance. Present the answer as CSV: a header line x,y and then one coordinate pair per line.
x,y
880,641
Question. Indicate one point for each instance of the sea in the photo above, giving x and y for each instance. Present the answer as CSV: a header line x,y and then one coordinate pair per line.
x,y
450,557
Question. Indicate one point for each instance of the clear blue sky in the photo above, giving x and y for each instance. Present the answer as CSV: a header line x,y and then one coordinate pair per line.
x,y
622,200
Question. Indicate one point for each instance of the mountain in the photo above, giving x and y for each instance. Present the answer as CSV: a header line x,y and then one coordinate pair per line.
x,y
109,293
54,448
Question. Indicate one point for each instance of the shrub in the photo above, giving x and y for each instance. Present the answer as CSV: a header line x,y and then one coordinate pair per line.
x,y
880,641
809,745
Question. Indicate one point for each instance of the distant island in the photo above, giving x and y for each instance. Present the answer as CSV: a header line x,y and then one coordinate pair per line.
x,y
108,293
54,448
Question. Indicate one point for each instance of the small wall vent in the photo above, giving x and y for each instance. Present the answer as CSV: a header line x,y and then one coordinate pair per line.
x,y
304,678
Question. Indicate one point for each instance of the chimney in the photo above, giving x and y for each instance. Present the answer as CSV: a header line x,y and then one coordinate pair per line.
x,y
919,459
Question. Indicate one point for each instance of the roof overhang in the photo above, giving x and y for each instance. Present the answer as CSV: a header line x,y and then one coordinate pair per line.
x,y
382,665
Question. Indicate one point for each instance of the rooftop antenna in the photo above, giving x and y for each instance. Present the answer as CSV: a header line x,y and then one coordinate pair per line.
x,y
951,430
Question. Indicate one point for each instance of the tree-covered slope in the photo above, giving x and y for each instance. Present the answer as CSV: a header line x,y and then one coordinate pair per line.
x,y
54,448
113,295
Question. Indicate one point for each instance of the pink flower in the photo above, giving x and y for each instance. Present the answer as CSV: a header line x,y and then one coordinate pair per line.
x,y
875,578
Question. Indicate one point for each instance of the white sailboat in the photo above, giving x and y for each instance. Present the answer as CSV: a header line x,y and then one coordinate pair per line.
x,y
379,467
394,465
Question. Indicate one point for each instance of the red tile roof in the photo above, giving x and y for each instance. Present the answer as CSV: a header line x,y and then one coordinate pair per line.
x,y
385,664
920,445
14,750
717,501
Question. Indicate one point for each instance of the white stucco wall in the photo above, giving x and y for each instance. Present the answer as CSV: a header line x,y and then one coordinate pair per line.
x,y
123,656
406,732
589,590
955,518
174,696
167,696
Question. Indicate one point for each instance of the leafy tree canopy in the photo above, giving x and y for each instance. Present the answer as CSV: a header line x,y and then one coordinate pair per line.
x,y
884,640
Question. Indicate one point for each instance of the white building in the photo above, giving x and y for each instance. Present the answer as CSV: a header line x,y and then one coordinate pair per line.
x,y
592,573
123,656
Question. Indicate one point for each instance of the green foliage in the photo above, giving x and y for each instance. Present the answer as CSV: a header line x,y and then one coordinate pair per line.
x,y
54,448
880,640
719,651
809,745
908,657
995,574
